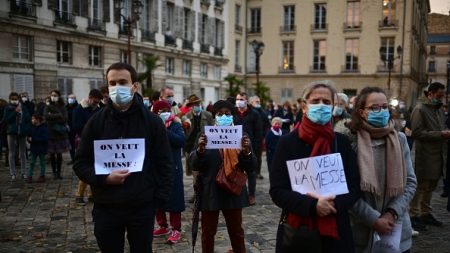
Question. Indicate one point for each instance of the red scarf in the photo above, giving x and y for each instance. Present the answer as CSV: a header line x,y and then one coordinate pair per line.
x,y
169,120
320,138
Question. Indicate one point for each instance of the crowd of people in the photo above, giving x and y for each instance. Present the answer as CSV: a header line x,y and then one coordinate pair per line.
x,y
388,183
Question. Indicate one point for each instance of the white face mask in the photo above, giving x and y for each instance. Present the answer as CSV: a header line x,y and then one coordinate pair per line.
x,y
241,103
14,102
54,99
24,99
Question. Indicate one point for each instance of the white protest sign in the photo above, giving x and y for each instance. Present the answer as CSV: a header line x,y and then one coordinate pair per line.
x,y
323,175
119,154
389,243
223,136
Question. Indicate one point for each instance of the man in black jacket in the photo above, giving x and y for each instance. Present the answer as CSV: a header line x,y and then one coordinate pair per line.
x,y
252,125
256,104
125,201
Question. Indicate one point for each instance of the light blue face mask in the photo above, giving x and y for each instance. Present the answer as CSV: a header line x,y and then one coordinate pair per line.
x,y
197,109
378,119
435,101
319,113
338,111
120,94
164,116
147,103
224,120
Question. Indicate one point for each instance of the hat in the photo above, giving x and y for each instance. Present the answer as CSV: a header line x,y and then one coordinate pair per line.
x,y
223,104
159,105
193,99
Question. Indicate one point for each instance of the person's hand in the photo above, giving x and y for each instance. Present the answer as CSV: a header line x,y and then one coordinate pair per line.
x,y
389,216
445,134
117,177
19,109
202,141
245,144
383,225
408,131
186,125
325,205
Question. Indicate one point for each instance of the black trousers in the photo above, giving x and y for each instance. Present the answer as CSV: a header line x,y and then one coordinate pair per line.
x,y
110,224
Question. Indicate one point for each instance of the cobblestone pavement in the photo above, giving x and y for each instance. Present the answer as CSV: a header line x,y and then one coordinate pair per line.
x,y
43,217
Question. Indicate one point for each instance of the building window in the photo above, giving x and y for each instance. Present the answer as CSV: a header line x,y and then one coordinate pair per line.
x,y
320,16
387,49
187,68
217,72
123,56
289,18
187,21
170,16
204,70
97,10
23,83
65,87
22,48
170,65
95,83
286,94
288,56
431,66
320,48
237,53
255,20
353,17
95,56
203,29
64,52
237,15
432,49
389,12
350,92
351,54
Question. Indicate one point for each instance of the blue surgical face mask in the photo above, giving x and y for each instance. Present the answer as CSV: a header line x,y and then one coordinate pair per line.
x,y
338,111
164,116
378,119
147,103
319,113
257,106
224,120
120,94
435,101
71,101
197,108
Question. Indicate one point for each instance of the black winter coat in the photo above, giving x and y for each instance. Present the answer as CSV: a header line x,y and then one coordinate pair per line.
x,y
291,147
150,186
252,126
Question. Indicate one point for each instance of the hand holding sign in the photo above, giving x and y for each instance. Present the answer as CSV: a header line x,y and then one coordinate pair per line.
x,y
245,143
202,140
117,177
325,205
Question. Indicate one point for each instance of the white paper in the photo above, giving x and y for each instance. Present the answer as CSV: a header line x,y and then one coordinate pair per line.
x,y
223,136
323,175
389,243
119,154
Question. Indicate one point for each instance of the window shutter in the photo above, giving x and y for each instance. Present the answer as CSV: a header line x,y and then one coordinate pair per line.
x,y
154,16
76,8
164,15
212,30
84,7
221,34
106,11
116,12
191,25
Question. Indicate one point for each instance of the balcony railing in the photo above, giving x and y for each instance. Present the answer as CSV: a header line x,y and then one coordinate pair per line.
x,y
96,24
123,30
148,35
288,70
386,24
319,27
204,48
351,26
349,68
288,29
23,9
188,45
64,17
218,51
254,30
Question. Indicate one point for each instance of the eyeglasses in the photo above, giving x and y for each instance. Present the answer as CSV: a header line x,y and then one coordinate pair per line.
x,y
377,108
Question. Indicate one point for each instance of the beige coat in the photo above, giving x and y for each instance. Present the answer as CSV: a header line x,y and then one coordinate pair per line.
x,y
427,122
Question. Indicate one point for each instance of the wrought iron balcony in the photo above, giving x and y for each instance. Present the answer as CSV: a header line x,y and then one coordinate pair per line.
x,y
254,29
218,51
22,8
188,45
204,48
96,24
386,24
64,17
148,35
319,27
288,28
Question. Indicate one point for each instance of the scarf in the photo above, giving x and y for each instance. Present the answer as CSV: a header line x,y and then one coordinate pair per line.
x,y
230,160
279,133
169,120
320,138
395,164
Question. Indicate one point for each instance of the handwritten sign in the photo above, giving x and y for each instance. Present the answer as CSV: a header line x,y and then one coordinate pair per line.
x,y
223,136
388,243
322,175
119,154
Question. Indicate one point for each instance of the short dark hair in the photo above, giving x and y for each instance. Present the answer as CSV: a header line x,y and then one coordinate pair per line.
x,y
121,66
156,95
433,87
104,89
243,94
95,94
13,94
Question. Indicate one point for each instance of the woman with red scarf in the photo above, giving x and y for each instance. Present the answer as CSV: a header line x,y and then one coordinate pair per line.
x,y
315,137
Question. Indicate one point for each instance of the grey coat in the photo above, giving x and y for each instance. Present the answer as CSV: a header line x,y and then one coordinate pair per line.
x,y
365,212
427,122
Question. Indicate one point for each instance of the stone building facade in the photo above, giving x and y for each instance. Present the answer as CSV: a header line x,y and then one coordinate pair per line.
x,y
68,44
438,60
343,41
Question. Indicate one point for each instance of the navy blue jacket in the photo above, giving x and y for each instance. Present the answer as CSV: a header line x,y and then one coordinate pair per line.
x,y
39,139
271,145
80,117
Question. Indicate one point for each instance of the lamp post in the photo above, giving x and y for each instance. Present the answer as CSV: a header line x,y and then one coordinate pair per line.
x,y
258,48
136,10
389,59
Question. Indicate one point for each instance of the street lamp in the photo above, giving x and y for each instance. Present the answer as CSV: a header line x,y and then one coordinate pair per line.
x,y
136,10
389,59
258,48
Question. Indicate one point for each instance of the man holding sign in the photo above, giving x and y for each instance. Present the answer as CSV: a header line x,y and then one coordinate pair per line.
x,y
124,154
314,178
